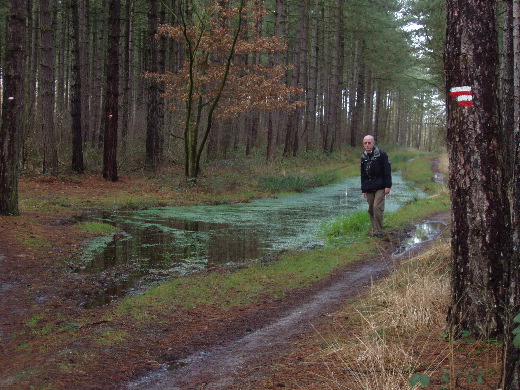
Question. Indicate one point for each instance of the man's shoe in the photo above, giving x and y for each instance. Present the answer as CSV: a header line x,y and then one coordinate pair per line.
x,y
379,235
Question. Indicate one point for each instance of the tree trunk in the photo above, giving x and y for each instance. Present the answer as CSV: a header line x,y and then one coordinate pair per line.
x,y
273,122
271,138
161,106
125,77
153,137
31,108
48,66
294,125
77,140
97,83
511,132
368,122
84,46
378,110
355,74
11,131
359,106
481,215
112,95
339,43
326,76
312,78
62,108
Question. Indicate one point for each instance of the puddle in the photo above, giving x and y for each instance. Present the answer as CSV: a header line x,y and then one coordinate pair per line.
x,y
155,244
423,232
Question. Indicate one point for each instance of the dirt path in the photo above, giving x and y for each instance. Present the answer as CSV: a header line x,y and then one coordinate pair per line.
x,y
48,341
233,364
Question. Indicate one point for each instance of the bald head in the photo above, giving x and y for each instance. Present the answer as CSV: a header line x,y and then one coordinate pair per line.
x,y
369,143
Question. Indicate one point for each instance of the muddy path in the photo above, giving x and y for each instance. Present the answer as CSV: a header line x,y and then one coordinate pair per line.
x,y
232,364
239,360
48,340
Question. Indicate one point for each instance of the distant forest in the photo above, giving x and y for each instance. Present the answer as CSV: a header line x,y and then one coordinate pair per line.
x,y
360,67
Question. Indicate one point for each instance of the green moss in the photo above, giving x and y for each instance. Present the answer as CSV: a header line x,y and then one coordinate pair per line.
x,y
97,228
297,182
111,337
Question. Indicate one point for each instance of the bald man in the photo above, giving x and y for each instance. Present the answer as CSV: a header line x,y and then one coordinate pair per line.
x,y
376,181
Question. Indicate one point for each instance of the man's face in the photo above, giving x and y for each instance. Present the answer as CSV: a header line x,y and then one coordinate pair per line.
x,y
368,144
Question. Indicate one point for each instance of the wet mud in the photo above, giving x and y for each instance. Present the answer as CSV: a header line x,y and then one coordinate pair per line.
x,y
233,364
229,365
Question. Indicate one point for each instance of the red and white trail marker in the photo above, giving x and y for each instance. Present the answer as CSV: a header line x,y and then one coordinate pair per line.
x,y
464,96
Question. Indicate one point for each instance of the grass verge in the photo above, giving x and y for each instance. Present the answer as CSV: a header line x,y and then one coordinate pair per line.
x,y
293,270
395,333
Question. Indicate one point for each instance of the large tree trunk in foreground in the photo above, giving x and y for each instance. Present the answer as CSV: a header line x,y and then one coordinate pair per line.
x,y
511,114
12,107
481,229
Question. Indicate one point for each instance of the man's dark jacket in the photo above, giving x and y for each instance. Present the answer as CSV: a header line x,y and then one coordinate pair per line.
x,y
375,171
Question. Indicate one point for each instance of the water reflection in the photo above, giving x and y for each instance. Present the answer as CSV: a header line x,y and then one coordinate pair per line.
x,y
423,232
180,240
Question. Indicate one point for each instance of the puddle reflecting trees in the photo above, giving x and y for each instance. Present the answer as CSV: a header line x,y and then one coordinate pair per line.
x,y
423,232
178,240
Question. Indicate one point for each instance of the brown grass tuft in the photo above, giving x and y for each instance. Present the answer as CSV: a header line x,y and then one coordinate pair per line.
x,y
394,333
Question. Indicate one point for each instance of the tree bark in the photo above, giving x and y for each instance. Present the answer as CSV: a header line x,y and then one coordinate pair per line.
x,y
326,76
125,77
76,113
339,43
62,54
511,133
84,46
99,73
481,215
378,110
48,67
312,83
153,130
11,131
112,94
355,74
31,64
359,105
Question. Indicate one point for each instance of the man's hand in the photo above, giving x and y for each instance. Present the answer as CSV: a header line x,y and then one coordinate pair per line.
x,y
387,191
364,194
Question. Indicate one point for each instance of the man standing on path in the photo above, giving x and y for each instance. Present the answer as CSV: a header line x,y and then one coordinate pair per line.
x,y
376,181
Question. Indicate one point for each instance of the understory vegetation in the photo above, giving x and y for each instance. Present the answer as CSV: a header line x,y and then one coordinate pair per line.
x,y
393,318
395,337
380,340
244,285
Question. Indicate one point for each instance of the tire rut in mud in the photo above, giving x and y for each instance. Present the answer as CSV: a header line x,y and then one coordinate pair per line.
x,y
227,365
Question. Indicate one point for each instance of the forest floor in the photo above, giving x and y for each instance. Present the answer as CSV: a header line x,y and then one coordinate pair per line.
x,y
47,341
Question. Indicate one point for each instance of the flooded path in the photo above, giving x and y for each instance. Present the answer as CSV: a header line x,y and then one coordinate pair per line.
x,y
234,364
154,244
